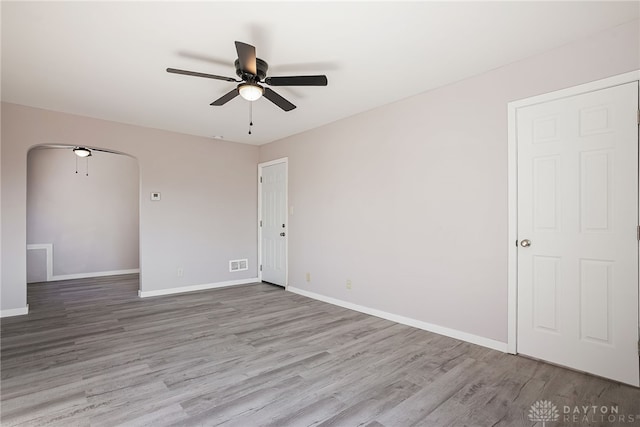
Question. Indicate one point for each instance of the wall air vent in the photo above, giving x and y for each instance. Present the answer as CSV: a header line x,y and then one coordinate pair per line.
x,y
238,265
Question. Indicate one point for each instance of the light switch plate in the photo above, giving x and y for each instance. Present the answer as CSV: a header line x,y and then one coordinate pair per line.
x,y
155,196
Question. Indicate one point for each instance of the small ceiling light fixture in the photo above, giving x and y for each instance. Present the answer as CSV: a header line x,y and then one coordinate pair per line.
x,y
82,152
250,91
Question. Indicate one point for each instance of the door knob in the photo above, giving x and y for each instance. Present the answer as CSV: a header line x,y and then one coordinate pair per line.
x,y
525,243
282,234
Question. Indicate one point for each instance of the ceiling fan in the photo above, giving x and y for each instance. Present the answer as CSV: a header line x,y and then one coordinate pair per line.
x,y
78,150
253,74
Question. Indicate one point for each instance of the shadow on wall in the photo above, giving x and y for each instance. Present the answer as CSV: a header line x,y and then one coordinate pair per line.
x,y
82,214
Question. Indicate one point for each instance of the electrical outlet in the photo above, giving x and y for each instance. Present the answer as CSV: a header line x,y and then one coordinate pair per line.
x,y
348,283
180,272
308,277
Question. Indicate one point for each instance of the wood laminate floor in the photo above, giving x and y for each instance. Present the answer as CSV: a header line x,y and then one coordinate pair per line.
x,y
91,353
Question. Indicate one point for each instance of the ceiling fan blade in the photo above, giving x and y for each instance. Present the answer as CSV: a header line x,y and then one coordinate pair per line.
x,y
104,151
278,100
71,147
297,81
247,57
56,146
196,74
226,98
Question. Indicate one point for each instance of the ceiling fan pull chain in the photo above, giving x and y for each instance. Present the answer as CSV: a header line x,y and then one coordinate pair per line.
x,y
87,166
250,116
76,163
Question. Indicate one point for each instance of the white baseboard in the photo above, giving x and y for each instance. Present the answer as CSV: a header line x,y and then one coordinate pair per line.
x,y
15,311
193,288
95,274
441,330
48,248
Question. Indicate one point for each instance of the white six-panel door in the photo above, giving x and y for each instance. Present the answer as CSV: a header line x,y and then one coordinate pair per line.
x,y
273,189
577,254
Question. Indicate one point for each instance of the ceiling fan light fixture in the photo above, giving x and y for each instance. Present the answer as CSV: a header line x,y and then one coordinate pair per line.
x,y
250,91
82,152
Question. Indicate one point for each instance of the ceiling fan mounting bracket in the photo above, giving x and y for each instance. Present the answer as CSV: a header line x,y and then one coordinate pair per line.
x,y
261,67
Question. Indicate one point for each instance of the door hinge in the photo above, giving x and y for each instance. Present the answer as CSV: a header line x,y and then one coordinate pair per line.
x,y
260,179
260,223
638,233
260,267
638,117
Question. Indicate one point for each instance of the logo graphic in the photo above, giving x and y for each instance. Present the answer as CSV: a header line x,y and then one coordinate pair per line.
x,y
543,410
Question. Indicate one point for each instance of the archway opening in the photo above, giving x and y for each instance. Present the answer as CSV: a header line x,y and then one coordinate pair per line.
x,y
82,214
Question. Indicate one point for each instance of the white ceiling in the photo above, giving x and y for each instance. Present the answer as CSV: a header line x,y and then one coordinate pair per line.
x,y
108,59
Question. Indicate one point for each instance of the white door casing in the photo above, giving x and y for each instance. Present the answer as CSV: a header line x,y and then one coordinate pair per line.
x,y
577,203
273,223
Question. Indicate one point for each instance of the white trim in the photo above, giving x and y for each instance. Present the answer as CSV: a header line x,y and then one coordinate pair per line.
x,y
93,274
273,162
193,288
15,312
48,247
284,160
512,255
441,330
513,183
593,86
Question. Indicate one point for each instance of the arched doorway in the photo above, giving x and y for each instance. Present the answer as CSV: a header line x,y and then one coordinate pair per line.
x,y
82,214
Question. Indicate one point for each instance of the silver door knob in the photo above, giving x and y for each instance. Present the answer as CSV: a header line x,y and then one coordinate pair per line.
x,y
282,234
525,243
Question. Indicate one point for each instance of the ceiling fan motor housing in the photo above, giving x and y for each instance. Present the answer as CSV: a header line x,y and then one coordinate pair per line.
x,y
261,67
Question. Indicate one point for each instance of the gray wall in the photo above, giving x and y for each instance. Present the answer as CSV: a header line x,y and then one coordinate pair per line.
x,y
91,220
409,201
207,215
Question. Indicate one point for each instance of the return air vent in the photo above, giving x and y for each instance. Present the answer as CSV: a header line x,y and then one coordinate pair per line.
x,y
238,265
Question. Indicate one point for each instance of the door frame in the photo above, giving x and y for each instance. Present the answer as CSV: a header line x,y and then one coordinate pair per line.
x,y
261,166
512,149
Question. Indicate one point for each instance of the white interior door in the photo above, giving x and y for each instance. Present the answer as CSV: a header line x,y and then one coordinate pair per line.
x,y
577,231
273,191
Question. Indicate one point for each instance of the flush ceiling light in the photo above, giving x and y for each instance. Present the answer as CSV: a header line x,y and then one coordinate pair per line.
x,y
250,91
82,152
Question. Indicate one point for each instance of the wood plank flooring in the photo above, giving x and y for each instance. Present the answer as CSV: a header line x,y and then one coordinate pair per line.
x,y
91,353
